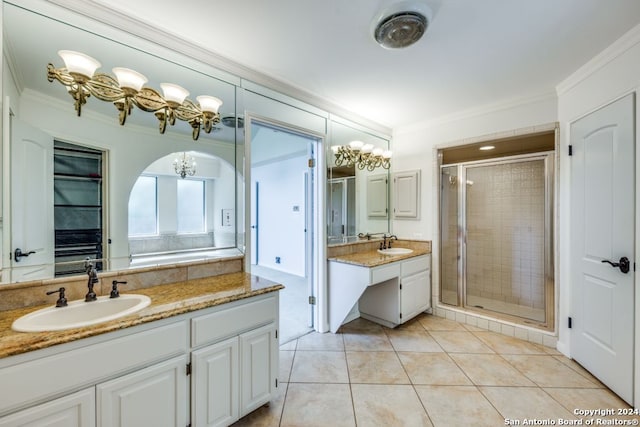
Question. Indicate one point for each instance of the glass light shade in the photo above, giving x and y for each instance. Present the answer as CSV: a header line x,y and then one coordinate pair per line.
x,y
77,62
356,145
128,78
377,151
174,93
366,148
386,154
209,104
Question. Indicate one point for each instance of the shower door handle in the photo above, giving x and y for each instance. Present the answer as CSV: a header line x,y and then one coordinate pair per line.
x,y
624,264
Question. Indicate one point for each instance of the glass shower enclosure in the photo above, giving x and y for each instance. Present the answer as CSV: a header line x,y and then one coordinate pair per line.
x,y
496,241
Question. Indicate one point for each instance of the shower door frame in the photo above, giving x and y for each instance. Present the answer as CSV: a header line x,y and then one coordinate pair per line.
x,y
549,214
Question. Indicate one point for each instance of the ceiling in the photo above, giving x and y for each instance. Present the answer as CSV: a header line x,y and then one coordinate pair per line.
x,y
473,54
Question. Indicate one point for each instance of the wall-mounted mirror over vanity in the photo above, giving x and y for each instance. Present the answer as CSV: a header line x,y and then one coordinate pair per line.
x,y
70,180
357,192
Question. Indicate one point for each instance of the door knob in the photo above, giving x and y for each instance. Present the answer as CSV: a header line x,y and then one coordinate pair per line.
x,y
624,264
17,254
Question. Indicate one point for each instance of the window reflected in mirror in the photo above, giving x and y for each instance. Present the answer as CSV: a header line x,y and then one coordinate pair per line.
x,y
171,216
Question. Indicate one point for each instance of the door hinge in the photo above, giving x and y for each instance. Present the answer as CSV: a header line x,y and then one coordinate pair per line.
x,y
401,315
312,300
570,323
570,150
312,163
189,368
400,286
276,334
276,383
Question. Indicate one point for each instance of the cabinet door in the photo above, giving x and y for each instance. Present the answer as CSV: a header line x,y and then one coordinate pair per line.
x,y
415,295
258,367
406,194
214,384
154,396
75,410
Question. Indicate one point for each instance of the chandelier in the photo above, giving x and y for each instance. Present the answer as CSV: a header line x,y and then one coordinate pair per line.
x,y
361,155
126,90
185,165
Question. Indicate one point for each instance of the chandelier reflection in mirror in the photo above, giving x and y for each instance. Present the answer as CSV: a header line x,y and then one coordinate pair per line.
x,y
126,90
361,155
185,165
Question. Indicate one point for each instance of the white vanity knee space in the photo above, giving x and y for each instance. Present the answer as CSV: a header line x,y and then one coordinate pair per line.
x,y
208,368
389,294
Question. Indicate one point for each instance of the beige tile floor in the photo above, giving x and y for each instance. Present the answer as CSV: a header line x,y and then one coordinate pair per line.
x,y
428,372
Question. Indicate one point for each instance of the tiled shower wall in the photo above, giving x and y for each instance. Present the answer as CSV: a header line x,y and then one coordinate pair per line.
x,y
505,232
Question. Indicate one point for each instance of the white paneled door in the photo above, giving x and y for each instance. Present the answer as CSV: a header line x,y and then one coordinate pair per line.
x,y
602,244
32,227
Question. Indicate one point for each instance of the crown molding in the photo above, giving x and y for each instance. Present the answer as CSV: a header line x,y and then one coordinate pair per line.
x,y
102,12
609,54
478,111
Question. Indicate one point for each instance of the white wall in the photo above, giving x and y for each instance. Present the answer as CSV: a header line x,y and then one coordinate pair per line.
x,y
414,148
281,228
608,76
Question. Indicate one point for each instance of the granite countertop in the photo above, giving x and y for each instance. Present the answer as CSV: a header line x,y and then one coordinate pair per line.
x,y
373,258
166,301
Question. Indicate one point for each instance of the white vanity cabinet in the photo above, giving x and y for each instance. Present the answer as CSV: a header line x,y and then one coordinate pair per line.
x,y
236,370
389,294
205,368
399,299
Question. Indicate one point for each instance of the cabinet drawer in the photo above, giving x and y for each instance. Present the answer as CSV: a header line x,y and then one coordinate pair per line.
x,y
414,265
232,321
385,272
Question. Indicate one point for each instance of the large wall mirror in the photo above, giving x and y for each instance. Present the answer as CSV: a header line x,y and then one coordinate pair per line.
x,y
357,198
72,179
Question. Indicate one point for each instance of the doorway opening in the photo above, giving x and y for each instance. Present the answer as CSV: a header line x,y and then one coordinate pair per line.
x,y
282,219
78,207
496,229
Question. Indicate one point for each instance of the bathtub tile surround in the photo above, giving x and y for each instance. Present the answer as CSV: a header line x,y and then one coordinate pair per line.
x,y
431,386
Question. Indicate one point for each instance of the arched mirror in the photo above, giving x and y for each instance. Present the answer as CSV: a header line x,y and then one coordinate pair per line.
x,y
179,209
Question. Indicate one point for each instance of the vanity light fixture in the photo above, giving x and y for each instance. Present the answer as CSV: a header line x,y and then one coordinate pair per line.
x,y
361,155
185,165
126,90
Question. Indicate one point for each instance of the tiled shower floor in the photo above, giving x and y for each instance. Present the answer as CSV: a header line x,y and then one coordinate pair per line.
x,y
428,372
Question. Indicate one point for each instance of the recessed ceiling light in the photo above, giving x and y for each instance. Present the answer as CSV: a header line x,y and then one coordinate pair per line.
x,y
487,147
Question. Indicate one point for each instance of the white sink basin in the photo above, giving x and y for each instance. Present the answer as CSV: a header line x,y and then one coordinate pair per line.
x,y
395,251
80,313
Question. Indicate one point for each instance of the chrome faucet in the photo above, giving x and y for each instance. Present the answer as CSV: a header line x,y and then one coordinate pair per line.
x,y
93,279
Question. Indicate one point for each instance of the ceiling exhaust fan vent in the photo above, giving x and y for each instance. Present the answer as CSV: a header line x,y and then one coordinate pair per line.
x,y
401,25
